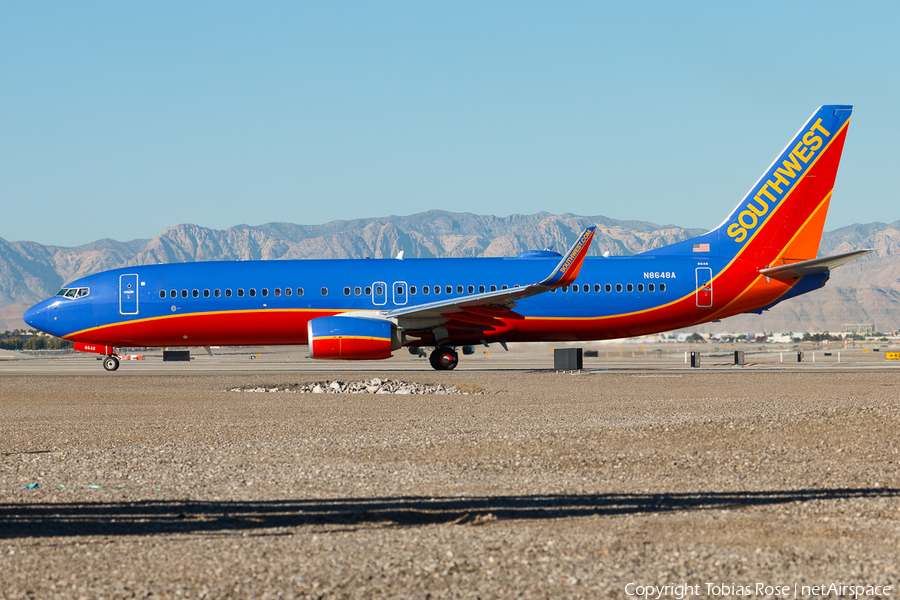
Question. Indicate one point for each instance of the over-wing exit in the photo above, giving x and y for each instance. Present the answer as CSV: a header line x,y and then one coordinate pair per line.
x,y
763,253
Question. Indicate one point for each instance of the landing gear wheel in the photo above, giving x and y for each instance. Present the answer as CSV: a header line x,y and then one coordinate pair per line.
x,y
110,363
444,359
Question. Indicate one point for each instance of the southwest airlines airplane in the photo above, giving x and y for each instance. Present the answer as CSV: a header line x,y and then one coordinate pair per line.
x,y
763,253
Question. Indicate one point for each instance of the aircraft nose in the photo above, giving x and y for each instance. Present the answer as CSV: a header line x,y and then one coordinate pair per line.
x,y
38,316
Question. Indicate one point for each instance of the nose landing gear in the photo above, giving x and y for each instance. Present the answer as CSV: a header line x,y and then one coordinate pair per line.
x,y
110,363
444,358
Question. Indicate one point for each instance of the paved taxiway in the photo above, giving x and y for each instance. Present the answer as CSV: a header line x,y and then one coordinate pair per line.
x,y
157,482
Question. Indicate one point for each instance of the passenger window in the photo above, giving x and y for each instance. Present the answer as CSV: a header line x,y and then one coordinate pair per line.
x,y
640,287
346,291
277,292
299,291
618,287
585,288
206,293
184,293
357,291
459,289
504,287
378,290
195,293
651,287
607,288
265,292
662,287
575,289
288,291
480,289
217,293
173,293
399,290
493,288
412,290
471,289
228,292
437,289
240,292
426,290
629,287
448,289
553,291
368,290
162,293
597,288
252,292
565,288
324,291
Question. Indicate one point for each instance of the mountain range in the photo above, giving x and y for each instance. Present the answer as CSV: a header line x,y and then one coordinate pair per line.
x,y
866,291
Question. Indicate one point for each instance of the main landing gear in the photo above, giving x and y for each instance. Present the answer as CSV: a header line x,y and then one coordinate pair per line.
x,y
444,358
111,363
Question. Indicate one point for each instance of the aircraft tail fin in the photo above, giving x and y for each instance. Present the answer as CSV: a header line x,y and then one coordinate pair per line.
x,y
783,215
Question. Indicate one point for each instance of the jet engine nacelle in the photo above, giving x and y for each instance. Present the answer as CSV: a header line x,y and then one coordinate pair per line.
x,y
352,338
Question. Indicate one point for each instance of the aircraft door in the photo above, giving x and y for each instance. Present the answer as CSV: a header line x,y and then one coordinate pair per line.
x,y
704,287
399,293
128,294
379,293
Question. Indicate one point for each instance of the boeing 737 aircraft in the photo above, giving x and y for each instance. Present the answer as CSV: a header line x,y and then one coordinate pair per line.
x,y
763,253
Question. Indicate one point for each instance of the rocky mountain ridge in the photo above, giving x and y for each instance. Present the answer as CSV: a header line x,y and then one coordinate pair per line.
x,y
865,291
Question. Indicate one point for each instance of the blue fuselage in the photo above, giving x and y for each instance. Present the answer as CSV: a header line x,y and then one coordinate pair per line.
x,y
597,306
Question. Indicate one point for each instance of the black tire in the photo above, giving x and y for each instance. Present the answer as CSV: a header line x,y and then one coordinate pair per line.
x,y
444,359
110,363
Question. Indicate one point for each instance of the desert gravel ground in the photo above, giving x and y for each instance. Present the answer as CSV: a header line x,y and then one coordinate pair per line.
x,y
545,486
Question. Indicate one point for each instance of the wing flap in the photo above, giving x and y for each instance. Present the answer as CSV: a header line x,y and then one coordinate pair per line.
x,y
467,317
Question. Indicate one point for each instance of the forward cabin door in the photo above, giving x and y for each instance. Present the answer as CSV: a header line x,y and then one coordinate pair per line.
x,y
128,294
704,287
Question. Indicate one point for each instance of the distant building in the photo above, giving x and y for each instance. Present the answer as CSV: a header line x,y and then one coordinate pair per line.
x,y
781,338
858,328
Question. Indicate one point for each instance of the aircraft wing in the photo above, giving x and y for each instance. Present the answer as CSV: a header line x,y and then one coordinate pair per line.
x,y
812,267
482,311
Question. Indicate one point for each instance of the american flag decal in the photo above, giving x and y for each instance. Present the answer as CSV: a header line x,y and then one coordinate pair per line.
x,y
701,247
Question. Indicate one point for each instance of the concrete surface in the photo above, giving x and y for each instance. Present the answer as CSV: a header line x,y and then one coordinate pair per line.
x,y
156,482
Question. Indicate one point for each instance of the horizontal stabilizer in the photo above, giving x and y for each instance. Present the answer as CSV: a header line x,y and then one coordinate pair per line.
x,y
812,267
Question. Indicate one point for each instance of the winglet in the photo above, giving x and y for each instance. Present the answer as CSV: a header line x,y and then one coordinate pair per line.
x,y
567,269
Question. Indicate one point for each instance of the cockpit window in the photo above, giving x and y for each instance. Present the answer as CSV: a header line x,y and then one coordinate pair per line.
x,y
74,292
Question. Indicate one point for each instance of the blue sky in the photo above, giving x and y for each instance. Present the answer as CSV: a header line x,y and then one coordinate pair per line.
x,y
120,119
